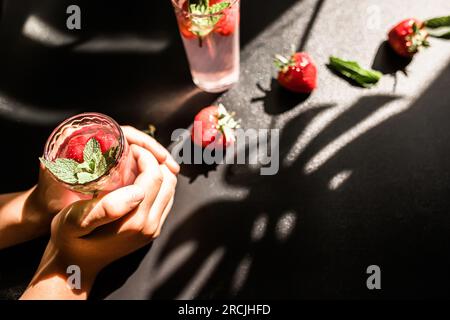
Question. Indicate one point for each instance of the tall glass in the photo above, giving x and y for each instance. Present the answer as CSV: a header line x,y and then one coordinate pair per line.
x,y
83,127
211,41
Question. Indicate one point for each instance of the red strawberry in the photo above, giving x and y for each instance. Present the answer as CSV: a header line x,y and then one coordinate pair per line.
x,y
297,73
185,28
106,140
184,22
407,37
227,24
75,148
213,127
76,144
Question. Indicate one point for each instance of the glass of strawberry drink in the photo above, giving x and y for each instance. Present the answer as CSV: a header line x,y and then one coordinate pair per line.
x,y
89,154
210,33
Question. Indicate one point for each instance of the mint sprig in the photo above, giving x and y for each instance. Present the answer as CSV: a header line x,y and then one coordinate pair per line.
x,y
95,164
353,71
438,27
205,17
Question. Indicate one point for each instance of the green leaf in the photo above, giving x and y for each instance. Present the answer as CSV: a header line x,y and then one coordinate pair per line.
x,y
95,165
92,150
207,17
64,169
87,166
438,22
352,70
442,33
218,7
86,177
101,167
111,155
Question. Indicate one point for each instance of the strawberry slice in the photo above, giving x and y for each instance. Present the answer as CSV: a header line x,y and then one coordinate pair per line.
x,y
185,23
75,148
75,145
105,139
230,20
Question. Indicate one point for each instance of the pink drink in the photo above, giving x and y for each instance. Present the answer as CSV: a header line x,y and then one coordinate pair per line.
x,y
211,42
69,139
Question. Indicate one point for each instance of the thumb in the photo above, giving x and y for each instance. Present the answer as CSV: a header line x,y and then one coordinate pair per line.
x,y
112,207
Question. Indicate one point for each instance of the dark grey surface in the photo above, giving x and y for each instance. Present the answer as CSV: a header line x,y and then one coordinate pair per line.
x,y
232,232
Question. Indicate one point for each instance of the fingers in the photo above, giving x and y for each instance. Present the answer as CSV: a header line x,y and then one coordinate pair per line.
x,y
164,217
157,210
143,140
113,206
150,179
140,209
83,217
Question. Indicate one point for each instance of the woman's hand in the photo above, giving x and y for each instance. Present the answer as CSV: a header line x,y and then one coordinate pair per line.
x,y
50,197
93,233
27,215
134,136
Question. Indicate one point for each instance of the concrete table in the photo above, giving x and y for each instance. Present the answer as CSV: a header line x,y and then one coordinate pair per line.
x,y
364,174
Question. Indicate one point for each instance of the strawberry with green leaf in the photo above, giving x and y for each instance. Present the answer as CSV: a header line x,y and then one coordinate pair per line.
x,y
408,37
214,127
297,73
94,165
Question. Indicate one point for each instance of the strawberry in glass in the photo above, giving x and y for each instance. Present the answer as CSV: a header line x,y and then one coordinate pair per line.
x,y
210,33
89,154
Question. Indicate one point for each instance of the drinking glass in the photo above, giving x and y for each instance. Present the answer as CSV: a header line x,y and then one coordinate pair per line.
x,y
211,42
121,173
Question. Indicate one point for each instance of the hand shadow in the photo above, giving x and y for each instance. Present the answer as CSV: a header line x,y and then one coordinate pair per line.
x,y
278,100
271,199
389,63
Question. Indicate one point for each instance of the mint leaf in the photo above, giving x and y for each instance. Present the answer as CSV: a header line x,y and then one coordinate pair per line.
x,y
101,167
218,7
86,177
87,166
94,166
438,22
64,169
353,71
443,33
91,150
205,17
111,156
438,27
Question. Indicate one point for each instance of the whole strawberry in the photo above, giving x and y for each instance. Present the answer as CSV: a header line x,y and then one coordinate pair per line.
x,y
297,73
75,147
213,127
76,144
408,37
